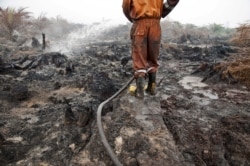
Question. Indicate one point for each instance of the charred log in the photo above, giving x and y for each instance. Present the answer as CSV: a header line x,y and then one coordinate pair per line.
x,y
55,58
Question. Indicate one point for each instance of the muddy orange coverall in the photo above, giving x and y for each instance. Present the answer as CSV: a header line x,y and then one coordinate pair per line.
x,y
146,31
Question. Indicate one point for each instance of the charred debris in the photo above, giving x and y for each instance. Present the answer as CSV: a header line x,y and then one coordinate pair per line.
x,y
48,99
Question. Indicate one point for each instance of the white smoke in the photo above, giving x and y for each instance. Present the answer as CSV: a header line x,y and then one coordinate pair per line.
x,y
80,38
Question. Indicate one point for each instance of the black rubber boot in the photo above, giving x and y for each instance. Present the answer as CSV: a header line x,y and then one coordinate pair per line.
x,y
139,93
151,88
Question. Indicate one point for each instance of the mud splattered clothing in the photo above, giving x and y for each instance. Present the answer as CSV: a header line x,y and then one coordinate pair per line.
x,y
146,40
146,31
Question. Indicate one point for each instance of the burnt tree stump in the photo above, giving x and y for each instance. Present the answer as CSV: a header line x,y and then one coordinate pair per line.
x,y
44,42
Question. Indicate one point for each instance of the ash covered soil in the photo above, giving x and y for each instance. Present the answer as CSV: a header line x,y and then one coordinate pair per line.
x,y
49,102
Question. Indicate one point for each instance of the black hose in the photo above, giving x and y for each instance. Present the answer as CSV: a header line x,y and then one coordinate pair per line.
x,y
100,128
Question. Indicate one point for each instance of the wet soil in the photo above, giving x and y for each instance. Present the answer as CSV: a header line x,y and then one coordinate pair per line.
x,y
48,112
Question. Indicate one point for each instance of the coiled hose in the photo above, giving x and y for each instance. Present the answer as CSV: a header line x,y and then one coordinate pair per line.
x,y
100,128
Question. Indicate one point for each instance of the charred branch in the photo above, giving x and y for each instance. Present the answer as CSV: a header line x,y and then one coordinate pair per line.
x,y
25,63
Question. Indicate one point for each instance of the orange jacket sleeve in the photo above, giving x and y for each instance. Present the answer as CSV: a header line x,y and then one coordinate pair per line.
x,y
126,5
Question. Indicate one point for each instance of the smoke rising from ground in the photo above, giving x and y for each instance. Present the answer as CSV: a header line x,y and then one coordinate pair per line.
x,y
77,38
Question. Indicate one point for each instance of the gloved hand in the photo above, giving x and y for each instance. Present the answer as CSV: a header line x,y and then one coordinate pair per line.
x,y
168,6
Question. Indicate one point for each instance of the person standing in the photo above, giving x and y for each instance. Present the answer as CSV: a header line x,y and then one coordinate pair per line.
x,y
145,35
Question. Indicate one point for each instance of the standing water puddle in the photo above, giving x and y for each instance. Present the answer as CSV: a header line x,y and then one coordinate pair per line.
x,y
191,82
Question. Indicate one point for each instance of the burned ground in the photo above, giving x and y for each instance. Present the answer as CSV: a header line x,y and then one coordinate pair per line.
x,y
49,101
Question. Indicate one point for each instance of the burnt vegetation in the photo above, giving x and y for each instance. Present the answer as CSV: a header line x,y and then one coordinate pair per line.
x,y
50,89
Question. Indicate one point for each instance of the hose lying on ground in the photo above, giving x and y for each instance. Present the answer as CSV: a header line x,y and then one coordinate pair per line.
x,y
100,128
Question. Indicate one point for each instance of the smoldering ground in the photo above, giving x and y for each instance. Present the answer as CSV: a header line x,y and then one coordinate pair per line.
x,y
48,109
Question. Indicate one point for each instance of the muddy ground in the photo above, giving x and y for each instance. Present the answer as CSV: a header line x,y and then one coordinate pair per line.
x,y
49,102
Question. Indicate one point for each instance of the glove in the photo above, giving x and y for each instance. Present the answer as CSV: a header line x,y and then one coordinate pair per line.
x,y
168,6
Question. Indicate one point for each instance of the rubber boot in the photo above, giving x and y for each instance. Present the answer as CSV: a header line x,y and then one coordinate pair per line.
x,y
139,93
151,88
